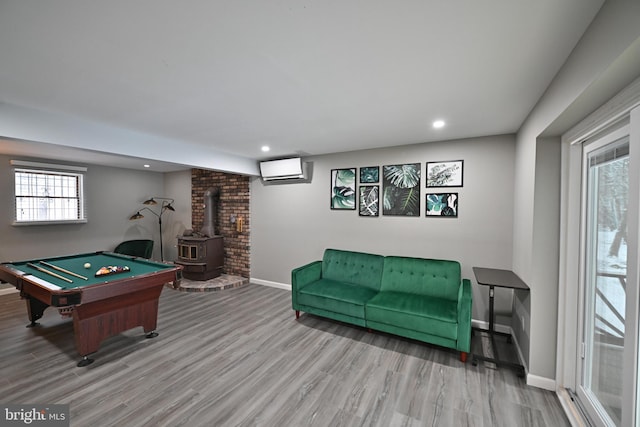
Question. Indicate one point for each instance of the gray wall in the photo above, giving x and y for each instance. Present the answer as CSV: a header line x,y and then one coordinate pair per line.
x,y
112,196
292,224
537,166
177,185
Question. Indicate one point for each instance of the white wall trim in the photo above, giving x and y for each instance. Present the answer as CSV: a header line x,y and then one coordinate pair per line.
x,y
612,111
541,382
278,285
38,165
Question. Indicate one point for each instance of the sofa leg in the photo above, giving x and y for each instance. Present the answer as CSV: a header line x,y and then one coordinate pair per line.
x,y
297,314
463,357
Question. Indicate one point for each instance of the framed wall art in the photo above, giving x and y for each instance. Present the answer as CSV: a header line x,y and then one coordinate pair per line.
x,y
370,174
369,200
401,190
442,204
343,189
445,174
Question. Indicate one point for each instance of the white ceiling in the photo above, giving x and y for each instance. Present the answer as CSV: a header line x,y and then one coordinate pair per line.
x,y
305,77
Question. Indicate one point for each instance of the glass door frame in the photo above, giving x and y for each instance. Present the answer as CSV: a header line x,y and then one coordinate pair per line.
x,y
594,410
632,389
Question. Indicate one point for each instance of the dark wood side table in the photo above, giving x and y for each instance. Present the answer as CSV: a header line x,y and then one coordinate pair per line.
x,y
493,277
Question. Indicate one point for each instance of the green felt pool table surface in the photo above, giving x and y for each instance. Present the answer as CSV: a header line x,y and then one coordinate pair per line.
x,y
75,264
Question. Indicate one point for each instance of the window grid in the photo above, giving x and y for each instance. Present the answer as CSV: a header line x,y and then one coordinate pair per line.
x,y
42,196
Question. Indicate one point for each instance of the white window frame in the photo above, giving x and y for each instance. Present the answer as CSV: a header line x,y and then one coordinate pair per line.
x,y
78,172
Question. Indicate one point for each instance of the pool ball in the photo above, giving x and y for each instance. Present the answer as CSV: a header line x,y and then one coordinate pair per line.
x,y
87,265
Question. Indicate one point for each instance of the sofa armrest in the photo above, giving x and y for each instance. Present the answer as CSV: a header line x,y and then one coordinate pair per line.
x,y
464,316
302,276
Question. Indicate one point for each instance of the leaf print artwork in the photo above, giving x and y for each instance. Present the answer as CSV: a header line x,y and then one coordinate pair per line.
x,y
444,174
369,200
343,189
401,190
442,204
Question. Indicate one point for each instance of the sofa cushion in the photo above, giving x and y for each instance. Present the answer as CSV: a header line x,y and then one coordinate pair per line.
x,y
426,314
356,268
336,296
417,276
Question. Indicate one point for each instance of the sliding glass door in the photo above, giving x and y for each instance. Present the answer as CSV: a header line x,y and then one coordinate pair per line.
x,y
609,299
606,203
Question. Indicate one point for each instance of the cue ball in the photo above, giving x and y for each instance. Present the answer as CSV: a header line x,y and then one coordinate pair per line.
x,y
87,265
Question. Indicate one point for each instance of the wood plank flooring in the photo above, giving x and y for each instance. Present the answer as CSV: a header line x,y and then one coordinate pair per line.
x,y
238,357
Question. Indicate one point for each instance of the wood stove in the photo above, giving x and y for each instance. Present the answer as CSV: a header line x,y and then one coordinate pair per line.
x,y
201,257
202,254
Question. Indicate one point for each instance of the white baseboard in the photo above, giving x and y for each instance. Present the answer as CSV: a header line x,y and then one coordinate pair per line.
x,y
278,285
541,382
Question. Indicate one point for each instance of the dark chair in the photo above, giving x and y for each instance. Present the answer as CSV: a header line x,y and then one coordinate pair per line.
x,y
140,248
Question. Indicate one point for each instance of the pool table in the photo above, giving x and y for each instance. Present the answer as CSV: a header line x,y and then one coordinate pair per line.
x,y
101,306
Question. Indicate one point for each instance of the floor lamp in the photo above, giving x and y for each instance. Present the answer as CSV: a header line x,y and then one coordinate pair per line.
x,y
166,205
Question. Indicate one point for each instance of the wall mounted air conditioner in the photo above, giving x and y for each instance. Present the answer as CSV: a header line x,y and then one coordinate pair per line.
x,y
284,170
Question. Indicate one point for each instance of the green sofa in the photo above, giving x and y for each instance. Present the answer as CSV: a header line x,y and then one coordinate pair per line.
x,y
422,299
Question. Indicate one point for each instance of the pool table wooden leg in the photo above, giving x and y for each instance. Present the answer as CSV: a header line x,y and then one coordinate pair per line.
x,y
35,310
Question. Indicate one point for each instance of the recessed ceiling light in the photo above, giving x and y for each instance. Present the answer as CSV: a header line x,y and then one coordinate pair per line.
x,y
438,124
147,166
265,148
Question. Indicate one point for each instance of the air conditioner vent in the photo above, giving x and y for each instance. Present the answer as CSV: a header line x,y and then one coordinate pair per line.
x,y
283,170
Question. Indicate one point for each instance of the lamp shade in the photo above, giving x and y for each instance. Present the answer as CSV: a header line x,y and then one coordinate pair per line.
x,y
150,202
136,215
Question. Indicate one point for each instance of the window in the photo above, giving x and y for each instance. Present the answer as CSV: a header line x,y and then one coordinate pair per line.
x,y
48,193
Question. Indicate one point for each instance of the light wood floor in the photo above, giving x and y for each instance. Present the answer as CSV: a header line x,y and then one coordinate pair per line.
x,y
239,358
